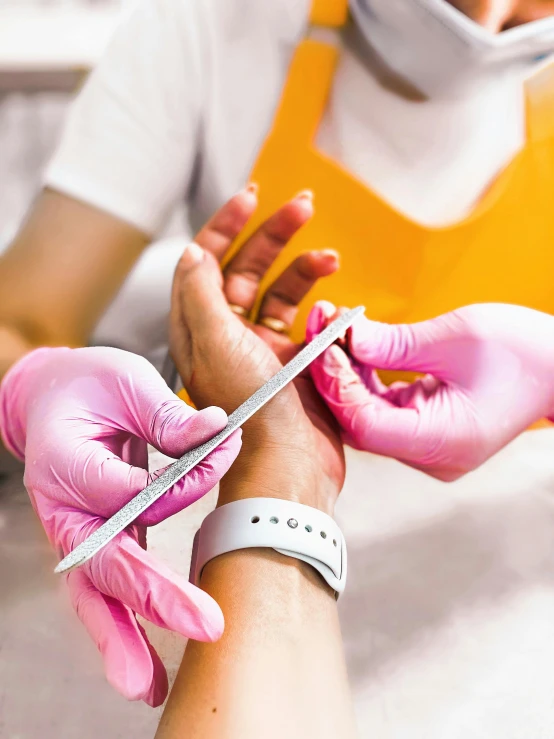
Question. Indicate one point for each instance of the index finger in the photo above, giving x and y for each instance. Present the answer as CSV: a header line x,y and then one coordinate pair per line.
x,y
223,228
123,570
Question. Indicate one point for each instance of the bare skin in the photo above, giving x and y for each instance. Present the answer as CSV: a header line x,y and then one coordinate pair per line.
x,y
497,15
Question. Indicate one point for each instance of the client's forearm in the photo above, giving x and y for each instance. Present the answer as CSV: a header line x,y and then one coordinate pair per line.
x,y
278,670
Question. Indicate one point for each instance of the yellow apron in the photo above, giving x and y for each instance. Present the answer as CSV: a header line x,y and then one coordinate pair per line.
x,y
400,270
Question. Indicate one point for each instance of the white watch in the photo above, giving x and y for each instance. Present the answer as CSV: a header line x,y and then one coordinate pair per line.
x,y
290,528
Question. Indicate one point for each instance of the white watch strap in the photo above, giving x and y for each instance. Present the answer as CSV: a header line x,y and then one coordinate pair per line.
x,y
290,528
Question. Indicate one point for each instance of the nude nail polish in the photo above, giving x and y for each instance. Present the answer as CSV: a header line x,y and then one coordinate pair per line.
x,y
305,195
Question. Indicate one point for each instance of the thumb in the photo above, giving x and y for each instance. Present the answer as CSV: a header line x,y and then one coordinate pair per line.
x,y
417,347
175,430
146,407
198,291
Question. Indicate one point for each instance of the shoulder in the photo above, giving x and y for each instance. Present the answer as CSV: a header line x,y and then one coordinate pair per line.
x,y
284,20
213,24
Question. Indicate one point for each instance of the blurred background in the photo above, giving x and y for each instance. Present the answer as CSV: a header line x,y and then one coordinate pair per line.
x,y
46,48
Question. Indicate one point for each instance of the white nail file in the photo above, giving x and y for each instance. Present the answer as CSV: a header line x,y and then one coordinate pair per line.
x,y
143,500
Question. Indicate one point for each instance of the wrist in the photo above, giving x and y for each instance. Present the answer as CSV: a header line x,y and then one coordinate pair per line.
x,y
297,579
273,465
277,477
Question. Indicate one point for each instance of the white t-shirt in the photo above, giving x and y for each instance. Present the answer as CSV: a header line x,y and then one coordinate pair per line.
x,y
449,615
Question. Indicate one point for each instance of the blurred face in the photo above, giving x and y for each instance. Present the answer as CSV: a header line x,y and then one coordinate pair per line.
x,y
498,15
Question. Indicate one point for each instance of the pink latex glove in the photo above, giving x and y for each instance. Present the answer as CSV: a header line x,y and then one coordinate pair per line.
x,y
81,419
490,376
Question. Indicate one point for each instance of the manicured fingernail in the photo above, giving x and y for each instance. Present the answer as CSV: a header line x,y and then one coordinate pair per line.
x,y
330,255
305,195
192,255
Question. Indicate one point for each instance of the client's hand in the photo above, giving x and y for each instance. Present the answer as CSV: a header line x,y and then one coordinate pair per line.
x,y
291,448
491,375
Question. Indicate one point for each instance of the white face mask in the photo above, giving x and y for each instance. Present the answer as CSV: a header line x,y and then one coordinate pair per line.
x,y
440,50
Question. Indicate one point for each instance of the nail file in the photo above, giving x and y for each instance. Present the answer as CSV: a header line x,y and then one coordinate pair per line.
x,y
143,500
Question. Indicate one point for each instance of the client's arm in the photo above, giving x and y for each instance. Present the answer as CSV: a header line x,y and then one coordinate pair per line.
x,y
279,669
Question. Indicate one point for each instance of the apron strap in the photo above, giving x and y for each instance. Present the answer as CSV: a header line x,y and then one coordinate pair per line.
x,y
329,13
539,91
305,94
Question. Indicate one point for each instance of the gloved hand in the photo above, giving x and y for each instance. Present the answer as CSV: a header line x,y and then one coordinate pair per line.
x,y
490,376
81,419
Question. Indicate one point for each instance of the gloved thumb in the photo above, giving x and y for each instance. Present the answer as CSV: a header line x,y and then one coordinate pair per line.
x,y
416,347
419,347
368,421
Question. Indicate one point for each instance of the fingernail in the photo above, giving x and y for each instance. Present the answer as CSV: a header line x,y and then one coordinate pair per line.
x,y
305,195
192,255
330,254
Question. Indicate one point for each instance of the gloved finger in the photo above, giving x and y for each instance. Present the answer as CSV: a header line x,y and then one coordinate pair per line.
x,y
100,482
248,267
283,297
160,683
139,401
175,431
371,379
368,421
148,409
341,386
223,228
126,572
412,394
420,347
319,317
196,483
131,664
